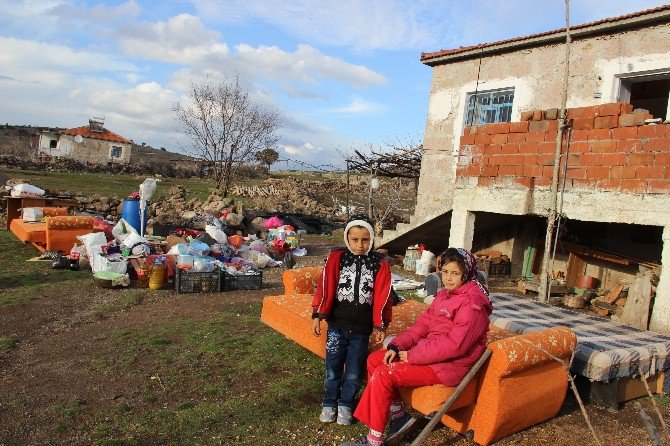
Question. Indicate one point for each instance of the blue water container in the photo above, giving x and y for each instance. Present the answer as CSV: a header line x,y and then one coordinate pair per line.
x,y
130,212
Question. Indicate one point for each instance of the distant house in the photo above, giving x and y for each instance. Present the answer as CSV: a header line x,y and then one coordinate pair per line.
x,y
92,143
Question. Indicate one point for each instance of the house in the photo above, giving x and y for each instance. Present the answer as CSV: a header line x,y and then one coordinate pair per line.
x,y
93,143
490,140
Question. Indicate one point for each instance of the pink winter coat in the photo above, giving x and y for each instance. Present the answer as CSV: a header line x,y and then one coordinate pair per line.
x,y
450,335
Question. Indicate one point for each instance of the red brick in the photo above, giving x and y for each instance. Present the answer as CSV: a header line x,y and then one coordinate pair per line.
x,y
491,149
546,147
633,185
547,171
538,115
489,171
581,112
535,136
527,115
477,160
613,159
626,108
573,159
482,139
499,138
542,182
469,130
496,160
551,136
580,147
622,172
609,146
545,159
519,127
583,123
575,172
530,160
651,131
625,133
650,172
600,134
527,182
510,148
528,147
538,126
473,171
606,122
514,160
485,181
598,172
659,186
532,171
552,126
510,170
498,128
663,159
641,159
551,113
609,184
629,120
591,159
516,138
467,140
612,109
657,145
629,146
580,135
582,183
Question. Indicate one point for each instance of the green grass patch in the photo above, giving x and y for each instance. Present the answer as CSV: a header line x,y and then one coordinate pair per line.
x,y
123,300
7,343
222,380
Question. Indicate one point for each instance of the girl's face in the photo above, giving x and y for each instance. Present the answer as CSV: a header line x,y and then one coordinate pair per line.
x,y
452,276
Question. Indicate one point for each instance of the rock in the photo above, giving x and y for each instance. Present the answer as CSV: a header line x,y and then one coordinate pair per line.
x,y
234,219
257,225
189,215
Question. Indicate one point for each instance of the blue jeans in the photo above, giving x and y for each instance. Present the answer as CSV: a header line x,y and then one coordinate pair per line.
x,y
346,353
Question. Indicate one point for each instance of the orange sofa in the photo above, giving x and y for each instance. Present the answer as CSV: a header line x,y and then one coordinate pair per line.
x,y
58,232
519,386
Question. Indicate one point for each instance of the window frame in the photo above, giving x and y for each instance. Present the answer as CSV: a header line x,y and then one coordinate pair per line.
x,y
489,93
111,152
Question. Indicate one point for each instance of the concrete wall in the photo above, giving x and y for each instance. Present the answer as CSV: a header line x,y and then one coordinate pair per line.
x,y
96,151
597,65
45,145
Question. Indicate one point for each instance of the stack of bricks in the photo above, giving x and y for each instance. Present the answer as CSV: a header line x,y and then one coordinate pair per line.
x,y
610,148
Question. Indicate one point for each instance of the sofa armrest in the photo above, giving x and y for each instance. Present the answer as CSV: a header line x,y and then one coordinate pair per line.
x,y
518,353
301,280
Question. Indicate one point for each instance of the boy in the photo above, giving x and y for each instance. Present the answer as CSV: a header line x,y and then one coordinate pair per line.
x,y
354,297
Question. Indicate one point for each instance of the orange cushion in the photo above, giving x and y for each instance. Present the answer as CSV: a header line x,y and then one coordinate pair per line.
x,y
70,222
51,211
29,232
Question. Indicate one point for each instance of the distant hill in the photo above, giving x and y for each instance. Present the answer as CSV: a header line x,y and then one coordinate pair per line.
x,y
149,155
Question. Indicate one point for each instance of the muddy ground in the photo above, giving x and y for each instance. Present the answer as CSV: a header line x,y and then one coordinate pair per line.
x,y
58,331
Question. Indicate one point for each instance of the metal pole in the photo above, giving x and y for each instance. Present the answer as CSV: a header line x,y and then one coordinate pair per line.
x,y
370,194
545,275
348,185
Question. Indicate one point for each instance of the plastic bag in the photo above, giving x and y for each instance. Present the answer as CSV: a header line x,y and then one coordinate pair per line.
x,y
273,222
200,266
26,190
235,240
216,232
93,242
198,249
122,230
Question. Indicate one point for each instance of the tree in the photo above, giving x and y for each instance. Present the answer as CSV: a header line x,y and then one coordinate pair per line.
x,y
225,126
267,157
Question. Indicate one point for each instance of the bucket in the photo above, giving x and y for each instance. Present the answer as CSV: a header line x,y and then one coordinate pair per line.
x,y
130,212
584,281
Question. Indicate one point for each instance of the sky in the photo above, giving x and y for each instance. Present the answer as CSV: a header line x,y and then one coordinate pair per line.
x,y
343,74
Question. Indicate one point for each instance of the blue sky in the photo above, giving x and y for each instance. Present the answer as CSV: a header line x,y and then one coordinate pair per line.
x,y
345,74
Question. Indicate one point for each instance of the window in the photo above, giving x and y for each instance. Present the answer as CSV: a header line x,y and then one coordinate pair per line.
x,y
53,143
647,91
488,107
116,152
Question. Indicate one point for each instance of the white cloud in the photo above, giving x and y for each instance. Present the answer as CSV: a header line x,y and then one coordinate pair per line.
x,y
358,105
99,13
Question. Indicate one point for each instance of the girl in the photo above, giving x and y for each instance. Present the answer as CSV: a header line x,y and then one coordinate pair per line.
x,y
440,348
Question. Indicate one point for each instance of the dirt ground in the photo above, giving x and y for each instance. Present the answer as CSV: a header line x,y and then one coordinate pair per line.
x,y
59,330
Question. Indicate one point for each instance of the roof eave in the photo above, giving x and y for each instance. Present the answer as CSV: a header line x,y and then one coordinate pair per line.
x,y
556,37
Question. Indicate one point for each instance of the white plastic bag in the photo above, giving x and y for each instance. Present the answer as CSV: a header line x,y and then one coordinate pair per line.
x,y
216,233
122,230
26,190
101,263
93,242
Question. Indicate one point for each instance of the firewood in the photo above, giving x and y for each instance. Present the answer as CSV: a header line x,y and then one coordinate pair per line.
x,y
621,302
613,294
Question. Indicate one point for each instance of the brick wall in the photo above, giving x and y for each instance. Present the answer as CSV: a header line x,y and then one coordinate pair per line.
x,y
610,148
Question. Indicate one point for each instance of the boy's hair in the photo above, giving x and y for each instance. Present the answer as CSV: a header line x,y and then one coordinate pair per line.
x,y
452,255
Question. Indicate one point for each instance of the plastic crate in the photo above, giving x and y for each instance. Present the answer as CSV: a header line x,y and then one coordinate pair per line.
x,y
230,282
197,282
500,269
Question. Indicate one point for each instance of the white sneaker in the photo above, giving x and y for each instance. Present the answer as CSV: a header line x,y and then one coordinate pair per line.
x,y
328,415
344,416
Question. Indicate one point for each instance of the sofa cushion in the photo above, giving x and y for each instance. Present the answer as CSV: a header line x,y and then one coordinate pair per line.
x,y
29,232
70,222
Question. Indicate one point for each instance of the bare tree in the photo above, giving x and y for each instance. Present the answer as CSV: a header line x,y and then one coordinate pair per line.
x,y
225,126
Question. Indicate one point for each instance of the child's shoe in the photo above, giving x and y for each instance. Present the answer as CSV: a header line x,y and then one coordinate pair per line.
x,y
344,415
402,422
361,441
328,415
